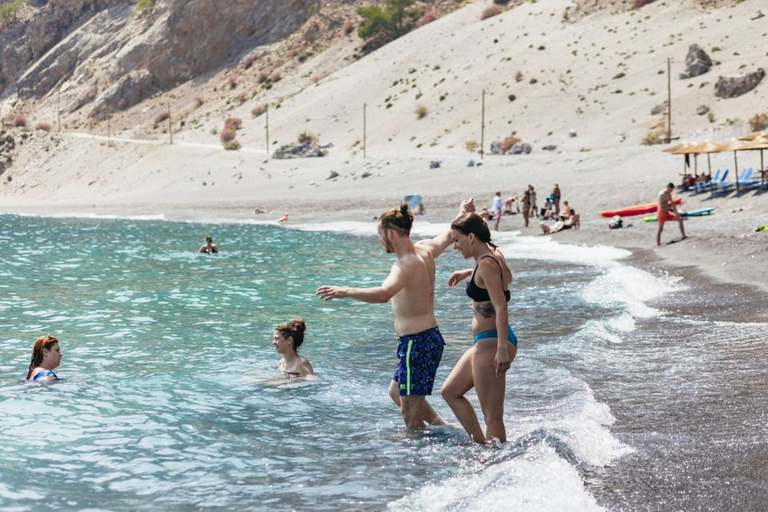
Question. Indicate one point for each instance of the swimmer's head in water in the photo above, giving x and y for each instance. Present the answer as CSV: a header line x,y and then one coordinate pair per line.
x,y
293,329
45,345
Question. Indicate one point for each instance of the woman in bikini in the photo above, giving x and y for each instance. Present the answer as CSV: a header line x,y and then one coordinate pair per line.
x,y
46,355
287,338
484,365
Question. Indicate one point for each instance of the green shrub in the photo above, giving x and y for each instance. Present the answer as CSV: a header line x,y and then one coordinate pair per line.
x,y
8,12
382,25
144,7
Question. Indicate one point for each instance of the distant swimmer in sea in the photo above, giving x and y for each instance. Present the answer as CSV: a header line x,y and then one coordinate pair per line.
x,y
410,286
208,247
287,338
46,356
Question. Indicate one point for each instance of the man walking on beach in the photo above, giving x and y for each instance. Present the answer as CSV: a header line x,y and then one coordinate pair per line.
x,y
667,210
410,286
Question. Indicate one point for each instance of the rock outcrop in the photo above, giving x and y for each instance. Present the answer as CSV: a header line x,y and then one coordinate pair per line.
x,y
733,87
103,50
697,62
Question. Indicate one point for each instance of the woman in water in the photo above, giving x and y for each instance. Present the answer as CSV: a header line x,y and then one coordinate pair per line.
x,y
484,365
287,339
46,355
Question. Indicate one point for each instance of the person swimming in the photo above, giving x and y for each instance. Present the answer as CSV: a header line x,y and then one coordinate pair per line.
x,y
287,338
46,356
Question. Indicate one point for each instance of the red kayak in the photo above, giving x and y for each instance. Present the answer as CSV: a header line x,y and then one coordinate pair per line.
x,y
638,209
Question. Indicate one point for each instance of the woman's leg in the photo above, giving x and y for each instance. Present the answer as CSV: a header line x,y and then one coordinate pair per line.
x,y
490,388
454,388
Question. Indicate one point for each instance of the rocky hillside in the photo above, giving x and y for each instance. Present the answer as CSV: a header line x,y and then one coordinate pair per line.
x,y
549,68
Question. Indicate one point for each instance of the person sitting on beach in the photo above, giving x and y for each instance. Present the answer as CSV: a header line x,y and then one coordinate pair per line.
x,y
563,222
421,209
287,338
485,214
284,218
208,247
258,211
46,355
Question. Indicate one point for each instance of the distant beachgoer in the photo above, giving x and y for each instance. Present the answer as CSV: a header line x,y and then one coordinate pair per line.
x,y
485,364
208,247
526,207
509,203
284,218
498,210
485,214
421,209
410,286
556,198
563,222
258,211
46,356
532,197
287,338
667,210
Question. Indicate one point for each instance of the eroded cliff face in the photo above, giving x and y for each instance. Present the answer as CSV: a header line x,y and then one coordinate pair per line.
x,y
104,56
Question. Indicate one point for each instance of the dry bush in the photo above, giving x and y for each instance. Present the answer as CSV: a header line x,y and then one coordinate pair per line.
x,y
275,77
518,76
506,144
198,99
232,145
242,97
262,77
161,116
20,121
491,11
232,80
307,137
228,134
759,122
427,17
259,110
471,145
46,127
655,136
233,122
315,79
421,111
248,61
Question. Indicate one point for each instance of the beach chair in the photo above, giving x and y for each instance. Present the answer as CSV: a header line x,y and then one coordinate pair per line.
x,y
700,187
718,186
746,181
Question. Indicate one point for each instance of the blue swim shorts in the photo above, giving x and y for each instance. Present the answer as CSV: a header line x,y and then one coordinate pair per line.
x,y
493,333
418,357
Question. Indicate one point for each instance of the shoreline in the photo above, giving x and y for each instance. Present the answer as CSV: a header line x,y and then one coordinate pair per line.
x,y
731,262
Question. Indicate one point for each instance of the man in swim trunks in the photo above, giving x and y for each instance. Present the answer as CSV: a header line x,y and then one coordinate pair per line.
x,y
667,210
410,286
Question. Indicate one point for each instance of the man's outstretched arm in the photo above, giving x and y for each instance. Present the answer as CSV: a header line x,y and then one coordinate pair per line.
x,y
394,282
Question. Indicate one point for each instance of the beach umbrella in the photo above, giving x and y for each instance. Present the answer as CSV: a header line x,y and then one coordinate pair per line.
x,y
759,144
735,145
680,149
707,147
754,135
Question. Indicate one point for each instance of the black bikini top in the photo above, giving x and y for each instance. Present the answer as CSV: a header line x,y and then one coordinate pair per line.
x,y
478,294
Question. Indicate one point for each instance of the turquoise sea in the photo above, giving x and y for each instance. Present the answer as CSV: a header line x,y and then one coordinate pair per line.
x,y
632,390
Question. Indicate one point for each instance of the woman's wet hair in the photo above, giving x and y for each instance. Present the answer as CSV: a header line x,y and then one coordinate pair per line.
x,y
399,218
295,329
42,343
474,224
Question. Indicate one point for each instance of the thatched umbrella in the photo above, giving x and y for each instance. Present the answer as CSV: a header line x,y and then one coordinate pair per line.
x,y
735,145
680,149
754,135
759,143
707,147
